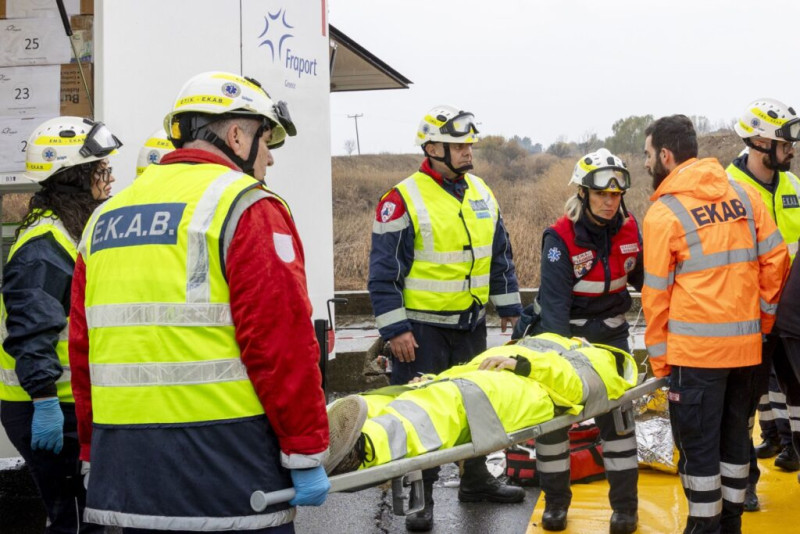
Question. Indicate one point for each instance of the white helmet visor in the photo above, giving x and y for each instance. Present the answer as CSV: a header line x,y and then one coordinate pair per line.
x,y
608,179
790,131
460,125
100,142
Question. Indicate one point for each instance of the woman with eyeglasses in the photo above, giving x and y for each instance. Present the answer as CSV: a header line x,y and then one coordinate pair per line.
x,y
589,256
67,157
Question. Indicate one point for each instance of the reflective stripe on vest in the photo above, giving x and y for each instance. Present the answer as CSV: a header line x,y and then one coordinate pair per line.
x,y
452,245
783,202
10,388
699,261
214,524
169,343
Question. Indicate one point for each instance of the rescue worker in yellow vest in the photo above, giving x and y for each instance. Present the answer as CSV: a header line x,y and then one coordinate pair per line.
x,y
156,147
770,130
589,256
440,252
714,266
549,375
195,364
67,156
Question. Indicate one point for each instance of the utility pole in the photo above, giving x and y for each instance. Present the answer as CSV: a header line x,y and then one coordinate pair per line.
x,y
358,143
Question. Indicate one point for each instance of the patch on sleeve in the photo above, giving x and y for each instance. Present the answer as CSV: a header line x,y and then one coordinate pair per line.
x,y
629,248
553,255
387,210
284,246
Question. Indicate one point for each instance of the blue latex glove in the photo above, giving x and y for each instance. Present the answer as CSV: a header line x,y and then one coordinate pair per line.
x,y
47,430
310,485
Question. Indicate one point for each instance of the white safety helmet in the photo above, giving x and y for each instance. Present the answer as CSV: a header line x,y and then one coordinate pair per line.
x,y
446,124
155,148
601,171
224,93
65,142
770,119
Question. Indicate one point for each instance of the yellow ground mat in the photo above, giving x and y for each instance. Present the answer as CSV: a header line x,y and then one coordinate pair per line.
x,y
662,505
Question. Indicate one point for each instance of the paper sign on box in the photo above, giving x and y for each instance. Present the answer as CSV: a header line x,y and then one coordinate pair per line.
x,y
16,9
14,134
29,91
33,42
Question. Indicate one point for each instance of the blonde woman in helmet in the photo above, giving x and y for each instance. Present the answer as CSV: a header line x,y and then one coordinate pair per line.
x,y
589,256
67,157
156,147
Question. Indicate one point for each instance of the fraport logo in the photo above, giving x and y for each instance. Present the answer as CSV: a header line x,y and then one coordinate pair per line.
x,y
48,154
277,33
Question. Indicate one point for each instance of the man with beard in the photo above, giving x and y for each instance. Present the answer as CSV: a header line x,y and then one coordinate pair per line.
x,y
770,129
440,252
714,266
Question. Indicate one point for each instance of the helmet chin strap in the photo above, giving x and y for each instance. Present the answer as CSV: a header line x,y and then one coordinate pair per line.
x,y
246,165
448,161
772,152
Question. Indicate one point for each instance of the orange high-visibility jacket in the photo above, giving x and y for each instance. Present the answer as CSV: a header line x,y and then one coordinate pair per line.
x,y
715,264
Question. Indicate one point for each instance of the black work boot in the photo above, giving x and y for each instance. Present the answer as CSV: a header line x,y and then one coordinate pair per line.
x,y
478,484
422,521
787,459
624,522
768,448
554,517
751,503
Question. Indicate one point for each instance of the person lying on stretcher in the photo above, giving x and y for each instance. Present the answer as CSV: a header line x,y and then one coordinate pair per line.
x,y
521,384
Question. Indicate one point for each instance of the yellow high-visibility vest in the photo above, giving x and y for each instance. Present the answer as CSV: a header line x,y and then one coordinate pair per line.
x,y
453,244
10,388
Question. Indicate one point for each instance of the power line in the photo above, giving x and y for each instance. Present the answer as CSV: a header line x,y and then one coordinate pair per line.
x,y
358,143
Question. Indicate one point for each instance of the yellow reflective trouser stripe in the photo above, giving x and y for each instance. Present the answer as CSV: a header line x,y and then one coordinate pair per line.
x,y
705,509
168,374
695,483
620,445
732,494
159,314
157,522
420,420
552,449
620,464
730,470
552,466
446,286
585,286
732,329
198,284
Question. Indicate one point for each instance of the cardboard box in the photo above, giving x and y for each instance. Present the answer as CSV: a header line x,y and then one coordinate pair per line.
x,y
73,94
29,91
34,42
14,135
16,9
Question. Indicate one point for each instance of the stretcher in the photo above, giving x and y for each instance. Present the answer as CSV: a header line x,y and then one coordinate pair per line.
x,y
408,471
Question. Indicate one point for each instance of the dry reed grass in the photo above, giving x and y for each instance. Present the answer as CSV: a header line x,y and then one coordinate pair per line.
x,y
531,190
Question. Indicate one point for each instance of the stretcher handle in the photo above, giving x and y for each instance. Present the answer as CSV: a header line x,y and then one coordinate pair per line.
x,y
260,500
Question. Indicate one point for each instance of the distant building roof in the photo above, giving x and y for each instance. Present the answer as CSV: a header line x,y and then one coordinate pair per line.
x,y
354,68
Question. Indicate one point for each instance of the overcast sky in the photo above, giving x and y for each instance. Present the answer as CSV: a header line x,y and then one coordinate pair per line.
x,y
546,69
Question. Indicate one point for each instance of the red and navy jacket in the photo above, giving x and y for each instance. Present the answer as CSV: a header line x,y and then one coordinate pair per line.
x,y
585,270
392,254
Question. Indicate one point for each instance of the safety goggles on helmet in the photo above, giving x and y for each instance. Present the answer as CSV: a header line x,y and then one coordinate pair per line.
x,y
460,125
100,142
790,131
607,180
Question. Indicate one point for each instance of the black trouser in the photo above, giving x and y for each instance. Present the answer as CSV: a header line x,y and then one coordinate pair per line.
x,y
440,349
57,476
619,455
787,370
709,410
765,381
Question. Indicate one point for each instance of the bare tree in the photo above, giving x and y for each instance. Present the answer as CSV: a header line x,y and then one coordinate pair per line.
x,y
350,146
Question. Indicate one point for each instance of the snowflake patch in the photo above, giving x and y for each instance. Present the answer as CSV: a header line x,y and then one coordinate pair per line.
x,y
553,255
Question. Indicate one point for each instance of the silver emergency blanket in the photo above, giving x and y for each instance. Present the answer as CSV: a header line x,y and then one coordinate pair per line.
x,y
654,444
